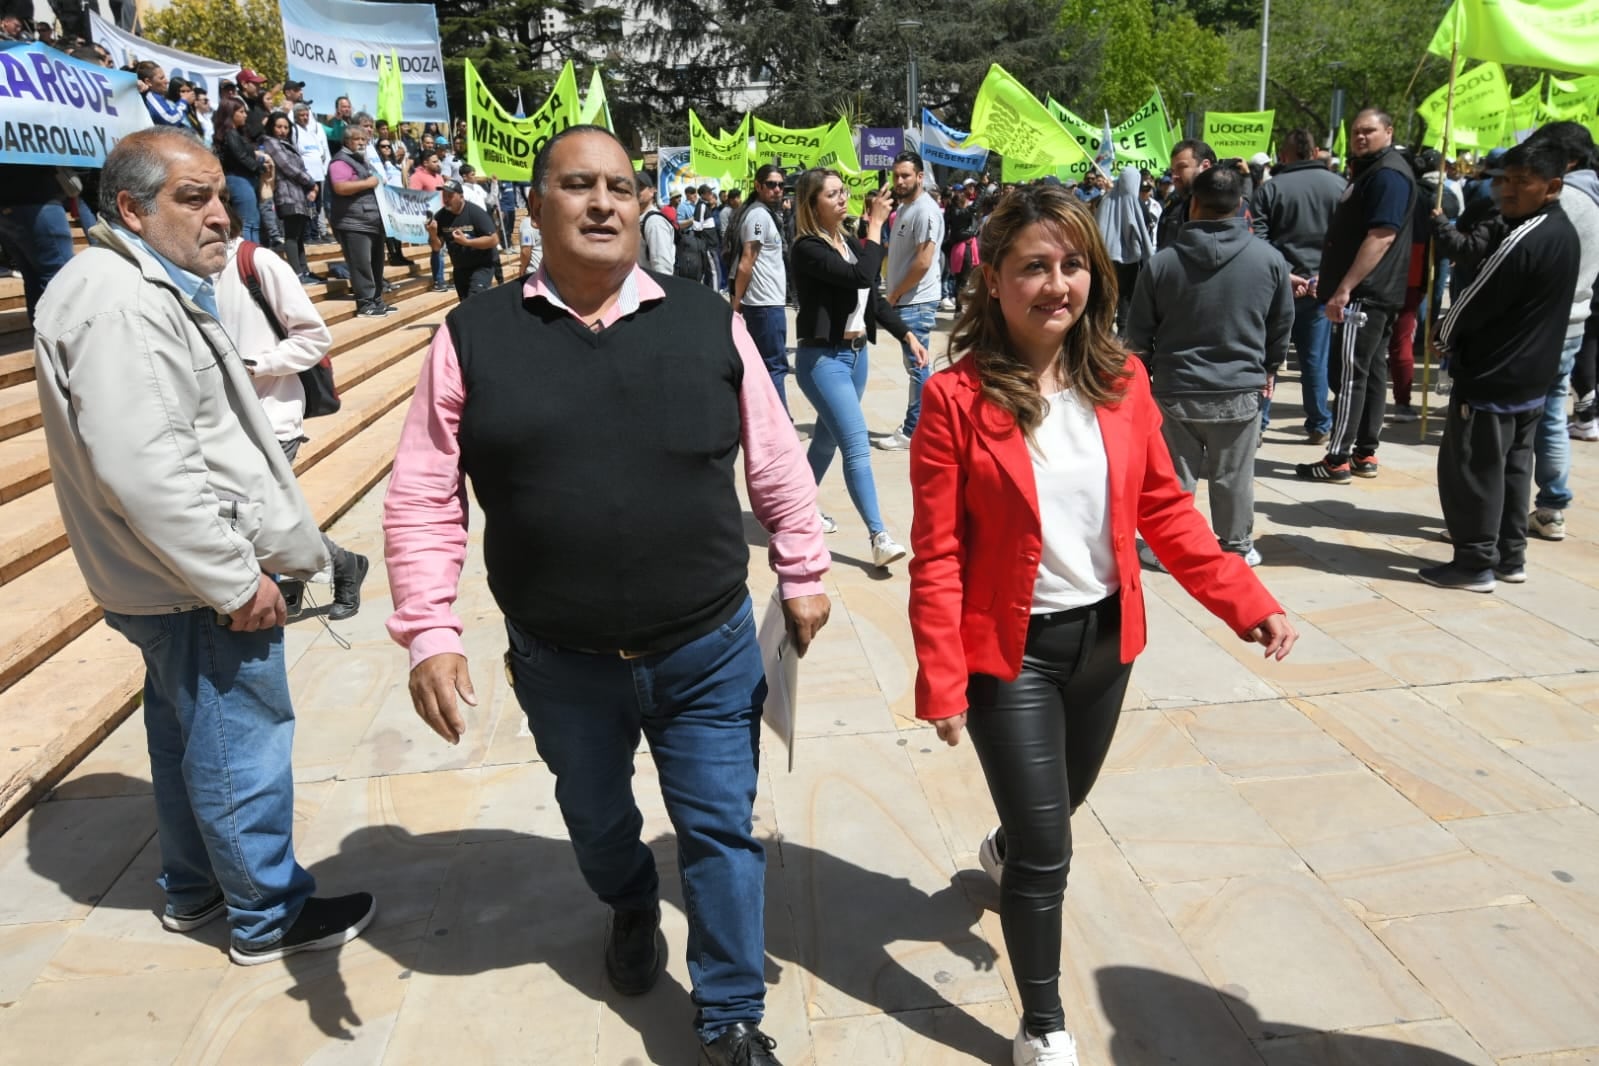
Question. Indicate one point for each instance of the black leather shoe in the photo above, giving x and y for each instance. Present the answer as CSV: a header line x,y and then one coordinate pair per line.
x,y
347,582
742,1045
635,950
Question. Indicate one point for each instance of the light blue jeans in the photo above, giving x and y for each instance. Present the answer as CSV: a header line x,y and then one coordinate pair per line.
x,y
1552,445
919,317
246,205
220,730
1312,335
699,707
834,380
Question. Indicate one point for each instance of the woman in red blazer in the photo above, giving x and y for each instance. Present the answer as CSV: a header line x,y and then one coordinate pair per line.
x,y
1037,459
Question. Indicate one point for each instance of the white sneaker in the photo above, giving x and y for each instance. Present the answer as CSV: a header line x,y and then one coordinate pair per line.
x,y
1547,523
828,525
1252,556
946,305
1583,429
989,857
1051,1049
896,441
886,550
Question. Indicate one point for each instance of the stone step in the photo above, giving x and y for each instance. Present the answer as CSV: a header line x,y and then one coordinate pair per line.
x,y
47,604
72,699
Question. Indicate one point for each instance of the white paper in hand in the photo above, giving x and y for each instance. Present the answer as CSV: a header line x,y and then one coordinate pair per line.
x,y
781,664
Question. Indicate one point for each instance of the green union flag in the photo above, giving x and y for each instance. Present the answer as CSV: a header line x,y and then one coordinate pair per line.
x,y
1550,34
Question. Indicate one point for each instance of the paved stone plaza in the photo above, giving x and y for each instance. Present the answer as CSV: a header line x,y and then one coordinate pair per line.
x,y
1383,852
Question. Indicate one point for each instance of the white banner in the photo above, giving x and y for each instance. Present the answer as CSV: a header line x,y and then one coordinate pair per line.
x,y
337,46
59,111
406,212
127,49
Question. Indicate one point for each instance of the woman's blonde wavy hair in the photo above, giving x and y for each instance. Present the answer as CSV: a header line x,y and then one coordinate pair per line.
x,y
807,188
1092,360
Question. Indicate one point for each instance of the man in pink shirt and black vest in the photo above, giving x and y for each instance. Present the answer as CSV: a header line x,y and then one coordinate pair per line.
x,y
598,412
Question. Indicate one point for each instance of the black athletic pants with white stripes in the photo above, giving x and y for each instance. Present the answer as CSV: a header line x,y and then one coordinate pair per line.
x,y
1485,485
1358,378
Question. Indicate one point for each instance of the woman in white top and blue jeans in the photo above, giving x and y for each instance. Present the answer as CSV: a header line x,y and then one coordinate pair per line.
x,y
839,311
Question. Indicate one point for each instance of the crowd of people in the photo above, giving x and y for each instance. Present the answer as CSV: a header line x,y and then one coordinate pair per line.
x,y
1112,343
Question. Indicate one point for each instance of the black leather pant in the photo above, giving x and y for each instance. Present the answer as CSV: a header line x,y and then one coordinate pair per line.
x,y
1042,740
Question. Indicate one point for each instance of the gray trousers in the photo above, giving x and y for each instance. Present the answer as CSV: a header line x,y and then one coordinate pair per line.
x,y
1223,453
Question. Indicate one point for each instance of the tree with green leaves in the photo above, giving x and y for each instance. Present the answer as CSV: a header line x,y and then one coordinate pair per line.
x,y
246,32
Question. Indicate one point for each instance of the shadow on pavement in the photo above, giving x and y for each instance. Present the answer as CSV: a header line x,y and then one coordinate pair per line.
x,y
1153,1018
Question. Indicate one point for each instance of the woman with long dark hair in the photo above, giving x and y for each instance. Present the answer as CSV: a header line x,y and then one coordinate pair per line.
x,y
1038,456
241,164
295,190
840,309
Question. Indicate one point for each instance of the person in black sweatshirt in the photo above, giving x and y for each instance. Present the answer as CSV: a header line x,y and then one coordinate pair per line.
x,y
1504,337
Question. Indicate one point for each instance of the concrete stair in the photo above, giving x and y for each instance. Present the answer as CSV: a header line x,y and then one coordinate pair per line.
x,y
66,680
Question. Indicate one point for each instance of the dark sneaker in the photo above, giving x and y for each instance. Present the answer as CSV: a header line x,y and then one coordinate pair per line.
x,y
1511,575
1363,466
1449,576
185,919
389,286
440,286
371,311
742,1045
1322,470
322,924
388,309
1315,436
635,950
347,581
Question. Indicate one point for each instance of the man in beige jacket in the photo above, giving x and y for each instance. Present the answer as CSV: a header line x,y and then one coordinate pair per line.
x,y
181,509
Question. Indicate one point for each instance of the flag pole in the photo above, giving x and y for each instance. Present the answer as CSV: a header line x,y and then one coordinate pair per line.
x,y
1427,274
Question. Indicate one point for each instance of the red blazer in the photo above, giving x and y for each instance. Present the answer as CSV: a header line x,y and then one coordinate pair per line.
x,y
977,536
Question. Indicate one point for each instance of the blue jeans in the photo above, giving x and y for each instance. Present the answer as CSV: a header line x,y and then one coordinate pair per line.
x,y
1552,445
1312,336
242,192
436,264
834,380
699,706
220,729
919,317
768,328
38,241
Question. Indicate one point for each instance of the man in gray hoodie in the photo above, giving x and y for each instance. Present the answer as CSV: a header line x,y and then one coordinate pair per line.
x,y
180,507
1579,198
1212,315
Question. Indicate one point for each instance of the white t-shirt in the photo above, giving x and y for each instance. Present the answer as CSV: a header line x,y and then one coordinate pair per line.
x,y
1077,566
915,224
475,194
768,285
856,322
532,238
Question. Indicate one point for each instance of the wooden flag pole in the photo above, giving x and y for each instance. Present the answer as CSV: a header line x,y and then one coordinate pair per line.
x,y
1427,273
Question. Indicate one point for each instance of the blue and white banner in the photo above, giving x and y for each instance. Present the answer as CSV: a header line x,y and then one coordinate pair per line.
x,y
675,172
406,212
337,46
941,144
879,147
59,111
127,49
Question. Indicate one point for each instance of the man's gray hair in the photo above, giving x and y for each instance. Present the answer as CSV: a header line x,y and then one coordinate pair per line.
x,y
302,106
361,118
353,129
138,166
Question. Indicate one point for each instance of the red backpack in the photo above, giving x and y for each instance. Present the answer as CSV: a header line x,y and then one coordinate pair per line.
x,y
321,395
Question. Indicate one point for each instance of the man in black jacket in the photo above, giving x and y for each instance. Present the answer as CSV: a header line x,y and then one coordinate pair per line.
x,y
1364,267
1293,211
1504,336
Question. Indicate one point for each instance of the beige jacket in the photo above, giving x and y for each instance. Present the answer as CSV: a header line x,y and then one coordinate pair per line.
x,y
172,486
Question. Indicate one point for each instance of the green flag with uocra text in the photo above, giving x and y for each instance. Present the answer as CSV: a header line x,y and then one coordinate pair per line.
x,y
503,146
1238,134
1550,34
722,156
1482,111
1008,119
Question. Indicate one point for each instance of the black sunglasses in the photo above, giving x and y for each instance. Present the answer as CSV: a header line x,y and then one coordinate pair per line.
x,y
771,185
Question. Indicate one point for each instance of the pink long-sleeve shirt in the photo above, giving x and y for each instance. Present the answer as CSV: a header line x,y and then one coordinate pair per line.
x,y
425,512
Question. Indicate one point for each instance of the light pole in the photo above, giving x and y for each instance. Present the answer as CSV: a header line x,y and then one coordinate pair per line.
x,y
1265,31
911,86
1189,118
1336,115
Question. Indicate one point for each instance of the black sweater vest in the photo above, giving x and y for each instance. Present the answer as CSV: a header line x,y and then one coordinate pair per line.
x,y
1384,287
604,466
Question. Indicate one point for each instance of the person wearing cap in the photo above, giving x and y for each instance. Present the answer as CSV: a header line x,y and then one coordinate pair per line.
x,y
469,234
294,94
252,90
